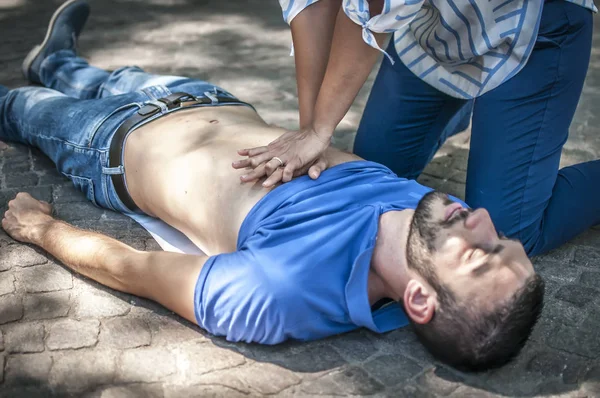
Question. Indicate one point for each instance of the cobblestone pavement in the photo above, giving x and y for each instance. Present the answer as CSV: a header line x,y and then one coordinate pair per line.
x,y
62,335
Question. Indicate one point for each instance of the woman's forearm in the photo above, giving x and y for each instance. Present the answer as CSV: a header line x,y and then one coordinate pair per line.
x,y
312,33
351,61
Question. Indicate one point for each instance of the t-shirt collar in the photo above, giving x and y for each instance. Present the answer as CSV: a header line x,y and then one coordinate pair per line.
x,y
388,318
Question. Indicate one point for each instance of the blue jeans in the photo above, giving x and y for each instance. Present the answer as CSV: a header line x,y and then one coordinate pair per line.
x,y
74,117
518,131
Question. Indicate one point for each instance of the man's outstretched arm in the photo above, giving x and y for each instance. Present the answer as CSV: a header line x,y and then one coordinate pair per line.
x,y
167,278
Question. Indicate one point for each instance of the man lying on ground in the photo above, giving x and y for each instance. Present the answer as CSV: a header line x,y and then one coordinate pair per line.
x,y
359,247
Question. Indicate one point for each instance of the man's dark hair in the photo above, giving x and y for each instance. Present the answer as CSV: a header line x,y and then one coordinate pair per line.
x,y
467,338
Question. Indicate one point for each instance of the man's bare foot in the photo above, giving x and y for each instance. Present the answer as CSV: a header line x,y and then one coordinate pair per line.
x,y
3,146
27,218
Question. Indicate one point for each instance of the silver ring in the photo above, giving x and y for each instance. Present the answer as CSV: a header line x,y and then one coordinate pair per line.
x,y
279,160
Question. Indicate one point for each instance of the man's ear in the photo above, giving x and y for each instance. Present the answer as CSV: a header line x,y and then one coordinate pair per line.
x,y
420,301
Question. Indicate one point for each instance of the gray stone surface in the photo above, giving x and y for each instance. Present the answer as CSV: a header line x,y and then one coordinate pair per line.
x,y
47,305
95,342
82,370
45,278
7,283
124,333
72,334
146,365
97,303
24,337
11,308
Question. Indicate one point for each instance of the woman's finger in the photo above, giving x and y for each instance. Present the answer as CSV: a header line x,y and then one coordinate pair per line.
x,y
271,166
315,170
273,178
257,151
254,175
288,171
241,164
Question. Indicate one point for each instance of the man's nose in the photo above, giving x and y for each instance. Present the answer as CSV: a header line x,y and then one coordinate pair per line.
x,y
481,224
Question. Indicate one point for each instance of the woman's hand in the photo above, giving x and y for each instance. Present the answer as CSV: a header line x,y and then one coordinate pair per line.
x,y
293,154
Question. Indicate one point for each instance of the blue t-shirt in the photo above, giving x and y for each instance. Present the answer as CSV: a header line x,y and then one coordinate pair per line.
x,y
303,258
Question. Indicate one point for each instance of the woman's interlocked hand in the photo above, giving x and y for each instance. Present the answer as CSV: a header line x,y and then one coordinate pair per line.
x,y
291,155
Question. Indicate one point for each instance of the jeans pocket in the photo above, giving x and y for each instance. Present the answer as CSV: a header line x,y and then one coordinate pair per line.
x,y
85,185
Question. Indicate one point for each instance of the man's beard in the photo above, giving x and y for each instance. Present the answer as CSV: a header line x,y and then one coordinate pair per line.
x,y
423,234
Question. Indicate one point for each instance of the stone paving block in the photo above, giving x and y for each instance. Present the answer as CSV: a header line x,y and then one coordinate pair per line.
x,y
45,278
591,323
66,193
146,365
403,342
215,391
392,369
152,245
7,283
355,347
591,381
587,257
562,254
261,378
20,180
73,334
439,381
135,242
40,161
441,169
47,305
11,308
196,358
129,391
564,312
112,228
25,391
166,330
346,381
577,294
124,332
28,369
447,186
1,341
51,178
70,212
590,279
575,340
20,256
562,272
2,360
94,303
548,363
18,165
295,356
77,371
589,238
24,338
137,231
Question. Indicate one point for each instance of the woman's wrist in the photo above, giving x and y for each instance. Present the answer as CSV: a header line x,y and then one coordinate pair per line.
x,y
323,131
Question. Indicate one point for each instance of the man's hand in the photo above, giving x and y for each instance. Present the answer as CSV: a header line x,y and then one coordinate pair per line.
x,y
27,218
294,153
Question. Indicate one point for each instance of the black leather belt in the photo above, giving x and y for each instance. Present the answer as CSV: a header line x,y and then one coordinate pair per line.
x,y
117,143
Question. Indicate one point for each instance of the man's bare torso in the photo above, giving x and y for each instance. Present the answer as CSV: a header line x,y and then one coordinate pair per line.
x,y
178,169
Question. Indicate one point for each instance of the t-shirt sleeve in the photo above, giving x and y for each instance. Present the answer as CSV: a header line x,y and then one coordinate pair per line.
x,y
235,300
291,8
